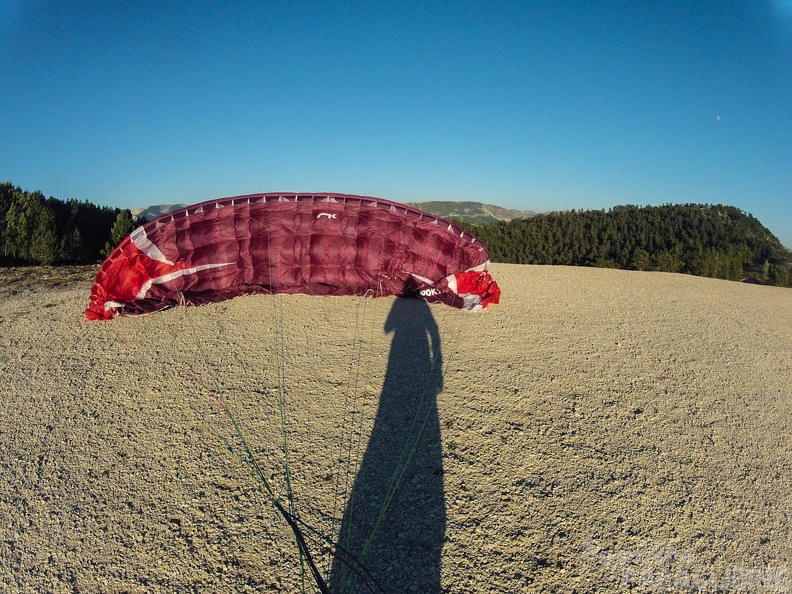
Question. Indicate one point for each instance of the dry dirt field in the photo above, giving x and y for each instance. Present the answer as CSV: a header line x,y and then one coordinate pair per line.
x,y
598,431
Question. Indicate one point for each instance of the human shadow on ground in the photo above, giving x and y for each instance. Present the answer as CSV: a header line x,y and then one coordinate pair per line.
x,y
404,553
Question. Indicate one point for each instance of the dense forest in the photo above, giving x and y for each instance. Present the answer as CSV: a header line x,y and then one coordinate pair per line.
x,y
39,230
714,241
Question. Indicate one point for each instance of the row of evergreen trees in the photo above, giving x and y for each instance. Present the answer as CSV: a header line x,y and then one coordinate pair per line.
x,y
703,240
35,229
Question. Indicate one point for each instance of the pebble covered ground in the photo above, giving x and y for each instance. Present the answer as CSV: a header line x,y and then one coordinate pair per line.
x,y
598,431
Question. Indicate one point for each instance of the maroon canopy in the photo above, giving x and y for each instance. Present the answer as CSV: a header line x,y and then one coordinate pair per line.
x,y
320,244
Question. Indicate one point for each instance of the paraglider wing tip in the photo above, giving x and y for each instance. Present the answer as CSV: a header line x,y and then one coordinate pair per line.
x,y
472,290
100,313
477,288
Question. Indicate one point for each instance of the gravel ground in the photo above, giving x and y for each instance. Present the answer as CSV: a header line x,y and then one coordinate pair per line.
x,y
597,431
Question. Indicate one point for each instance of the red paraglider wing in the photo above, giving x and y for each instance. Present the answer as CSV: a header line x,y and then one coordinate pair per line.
x,y
328,244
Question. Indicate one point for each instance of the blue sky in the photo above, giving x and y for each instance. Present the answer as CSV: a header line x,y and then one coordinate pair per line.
x,y
537,105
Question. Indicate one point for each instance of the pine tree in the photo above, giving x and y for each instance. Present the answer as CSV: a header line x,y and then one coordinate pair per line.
x,y
44,242
779,275
122,227
640,260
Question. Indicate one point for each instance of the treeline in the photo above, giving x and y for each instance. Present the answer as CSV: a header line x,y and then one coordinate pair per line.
x,y
39,230
714,241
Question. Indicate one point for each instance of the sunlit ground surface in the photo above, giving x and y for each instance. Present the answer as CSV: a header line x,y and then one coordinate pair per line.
x,y
598,430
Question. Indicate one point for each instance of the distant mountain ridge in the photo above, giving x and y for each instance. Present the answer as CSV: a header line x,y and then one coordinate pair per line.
x,y
477,213
152,212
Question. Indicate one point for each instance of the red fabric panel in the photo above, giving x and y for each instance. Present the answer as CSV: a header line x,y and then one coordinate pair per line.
x,y
481,284
280,243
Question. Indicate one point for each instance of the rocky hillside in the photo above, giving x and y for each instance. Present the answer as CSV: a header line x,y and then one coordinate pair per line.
x,y
478,213
152,212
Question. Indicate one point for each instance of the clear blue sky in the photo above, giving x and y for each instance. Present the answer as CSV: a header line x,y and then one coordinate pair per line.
x,y
536,105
